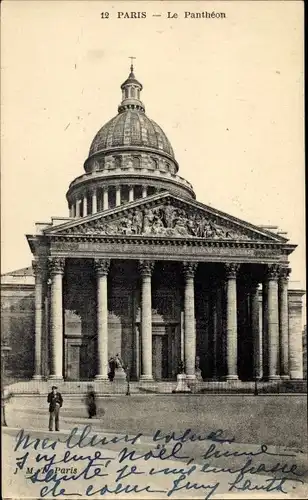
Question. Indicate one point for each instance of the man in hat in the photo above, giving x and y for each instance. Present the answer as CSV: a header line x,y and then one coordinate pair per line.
x,y
55,403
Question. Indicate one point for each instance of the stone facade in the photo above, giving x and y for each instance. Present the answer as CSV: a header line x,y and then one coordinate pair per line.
x,y
18,321
143,270
305,352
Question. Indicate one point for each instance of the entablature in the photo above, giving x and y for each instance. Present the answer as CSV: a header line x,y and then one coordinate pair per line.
x,y
175,249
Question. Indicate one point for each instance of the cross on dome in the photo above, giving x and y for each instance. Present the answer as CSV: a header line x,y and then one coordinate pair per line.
x,y
132,63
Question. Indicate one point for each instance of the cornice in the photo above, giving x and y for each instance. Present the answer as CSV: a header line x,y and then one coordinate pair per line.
x,y
125,177
38,244
163,240
296,292
17,286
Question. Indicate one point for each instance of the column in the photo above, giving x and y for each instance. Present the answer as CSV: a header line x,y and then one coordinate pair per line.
x,y
144,191
70,210
102,268
105,199
231,273
136,353
272,322
145,269
85,206
46,332
264,328
131,193
255,329
261,334
189,269
219,328
38,273
77,210
284,322
215,327
118,196
94,201
56,267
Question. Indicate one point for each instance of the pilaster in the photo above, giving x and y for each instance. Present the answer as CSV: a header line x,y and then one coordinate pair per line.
x,y
284,322
38,271
295,334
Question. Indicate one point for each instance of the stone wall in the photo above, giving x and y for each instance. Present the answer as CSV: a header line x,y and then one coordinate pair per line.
x,y
17,325
305,352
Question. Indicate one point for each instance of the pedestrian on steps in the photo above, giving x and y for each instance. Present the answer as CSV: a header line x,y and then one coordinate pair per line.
x,y
55,401
90,402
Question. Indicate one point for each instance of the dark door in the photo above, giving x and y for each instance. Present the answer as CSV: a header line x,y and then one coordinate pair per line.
x,y
78,363
166,362
73,361
160,357
157,356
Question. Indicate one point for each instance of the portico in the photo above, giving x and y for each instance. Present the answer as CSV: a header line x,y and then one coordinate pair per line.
x,y
157,312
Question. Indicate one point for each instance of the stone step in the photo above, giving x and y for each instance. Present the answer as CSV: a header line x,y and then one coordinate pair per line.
x,y
104,388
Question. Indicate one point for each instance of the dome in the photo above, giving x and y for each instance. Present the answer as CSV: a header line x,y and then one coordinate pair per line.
x,y
130,158
131,127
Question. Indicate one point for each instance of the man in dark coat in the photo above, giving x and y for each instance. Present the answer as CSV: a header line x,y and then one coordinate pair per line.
x,y
55,401
90,402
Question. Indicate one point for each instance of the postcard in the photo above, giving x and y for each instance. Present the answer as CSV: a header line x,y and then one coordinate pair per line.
x,y
153,250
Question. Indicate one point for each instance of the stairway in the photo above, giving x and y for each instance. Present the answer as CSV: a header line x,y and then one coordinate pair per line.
x,y
106,388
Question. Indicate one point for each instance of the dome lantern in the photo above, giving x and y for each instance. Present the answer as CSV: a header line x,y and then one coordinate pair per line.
x,y
131,89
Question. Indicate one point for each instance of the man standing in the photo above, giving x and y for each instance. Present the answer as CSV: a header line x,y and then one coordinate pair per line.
x,y
55,403
90,402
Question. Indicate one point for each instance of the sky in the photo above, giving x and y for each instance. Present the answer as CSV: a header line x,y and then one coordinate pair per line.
x,y
228,92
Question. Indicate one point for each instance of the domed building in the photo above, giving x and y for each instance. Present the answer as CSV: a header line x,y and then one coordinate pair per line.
x,y
143,273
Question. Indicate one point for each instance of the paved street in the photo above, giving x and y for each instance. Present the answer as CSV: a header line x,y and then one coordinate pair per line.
x,y
201,481
275,420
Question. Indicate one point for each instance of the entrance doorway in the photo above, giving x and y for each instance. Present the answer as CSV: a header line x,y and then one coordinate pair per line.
x,y
160,356
79,362
164,352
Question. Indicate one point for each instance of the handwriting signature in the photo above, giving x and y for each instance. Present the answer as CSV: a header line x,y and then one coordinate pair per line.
x,y
56,468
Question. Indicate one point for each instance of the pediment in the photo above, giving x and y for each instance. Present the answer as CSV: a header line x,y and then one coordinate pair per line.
x,y
166,216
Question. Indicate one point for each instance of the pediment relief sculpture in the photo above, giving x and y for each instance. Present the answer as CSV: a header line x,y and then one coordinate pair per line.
x,y
167,220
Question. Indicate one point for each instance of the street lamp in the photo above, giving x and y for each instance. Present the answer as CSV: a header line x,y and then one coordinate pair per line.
x,y
5,349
